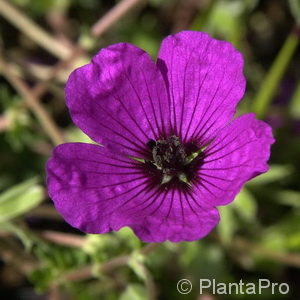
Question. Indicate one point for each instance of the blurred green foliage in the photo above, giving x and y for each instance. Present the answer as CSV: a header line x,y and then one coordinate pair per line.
x,y
259,233
19,199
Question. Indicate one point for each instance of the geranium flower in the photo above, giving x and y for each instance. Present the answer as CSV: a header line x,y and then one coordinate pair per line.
x,y
170,150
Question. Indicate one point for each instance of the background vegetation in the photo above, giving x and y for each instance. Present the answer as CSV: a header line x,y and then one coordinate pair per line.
x,y
41,257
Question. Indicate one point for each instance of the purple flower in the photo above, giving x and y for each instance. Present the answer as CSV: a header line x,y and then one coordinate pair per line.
x,y
171,151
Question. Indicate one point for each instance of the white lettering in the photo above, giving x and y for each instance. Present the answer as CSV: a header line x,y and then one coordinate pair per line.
x,y
287,288
204,286
261,286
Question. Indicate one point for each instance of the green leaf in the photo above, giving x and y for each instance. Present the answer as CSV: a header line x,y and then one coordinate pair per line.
x,y
295,9
276,173
227,225
93,243
136,264
288,197
272,79
134,292
203,260
20,199
224,17
41,278
24,236
282,236
294,107
274,239
54,262
126,234
245,205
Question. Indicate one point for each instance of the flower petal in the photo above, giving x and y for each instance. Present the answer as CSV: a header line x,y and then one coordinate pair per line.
x,y
175,216
119,99
88,184
96,192
205,80
239,153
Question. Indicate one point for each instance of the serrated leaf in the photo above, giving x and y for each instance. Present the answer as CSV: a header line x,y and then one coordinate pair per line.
x,y
42,278
19,199
245,205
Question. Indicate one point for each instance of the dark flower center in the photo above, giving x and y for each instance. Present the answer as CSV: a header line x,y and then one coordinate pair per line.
x,y
172,162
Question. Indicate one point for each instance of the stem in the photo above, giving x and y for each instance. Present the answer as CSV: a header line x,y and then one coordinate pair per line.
x,y
65,239
24,24
41,88
290,259
150,285
117,12
270,84
87,271
294,107
47,123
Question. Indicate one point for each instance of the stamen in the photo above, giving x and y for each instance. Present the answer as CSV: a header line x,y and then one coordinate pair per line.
x,y
166,179
173,161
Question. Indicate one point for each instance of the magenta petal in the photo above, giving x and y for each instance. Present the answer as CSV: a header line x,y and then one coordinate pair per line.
x,y
239,153
152,119
205,78
97,192
119,99
177,217
88,184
